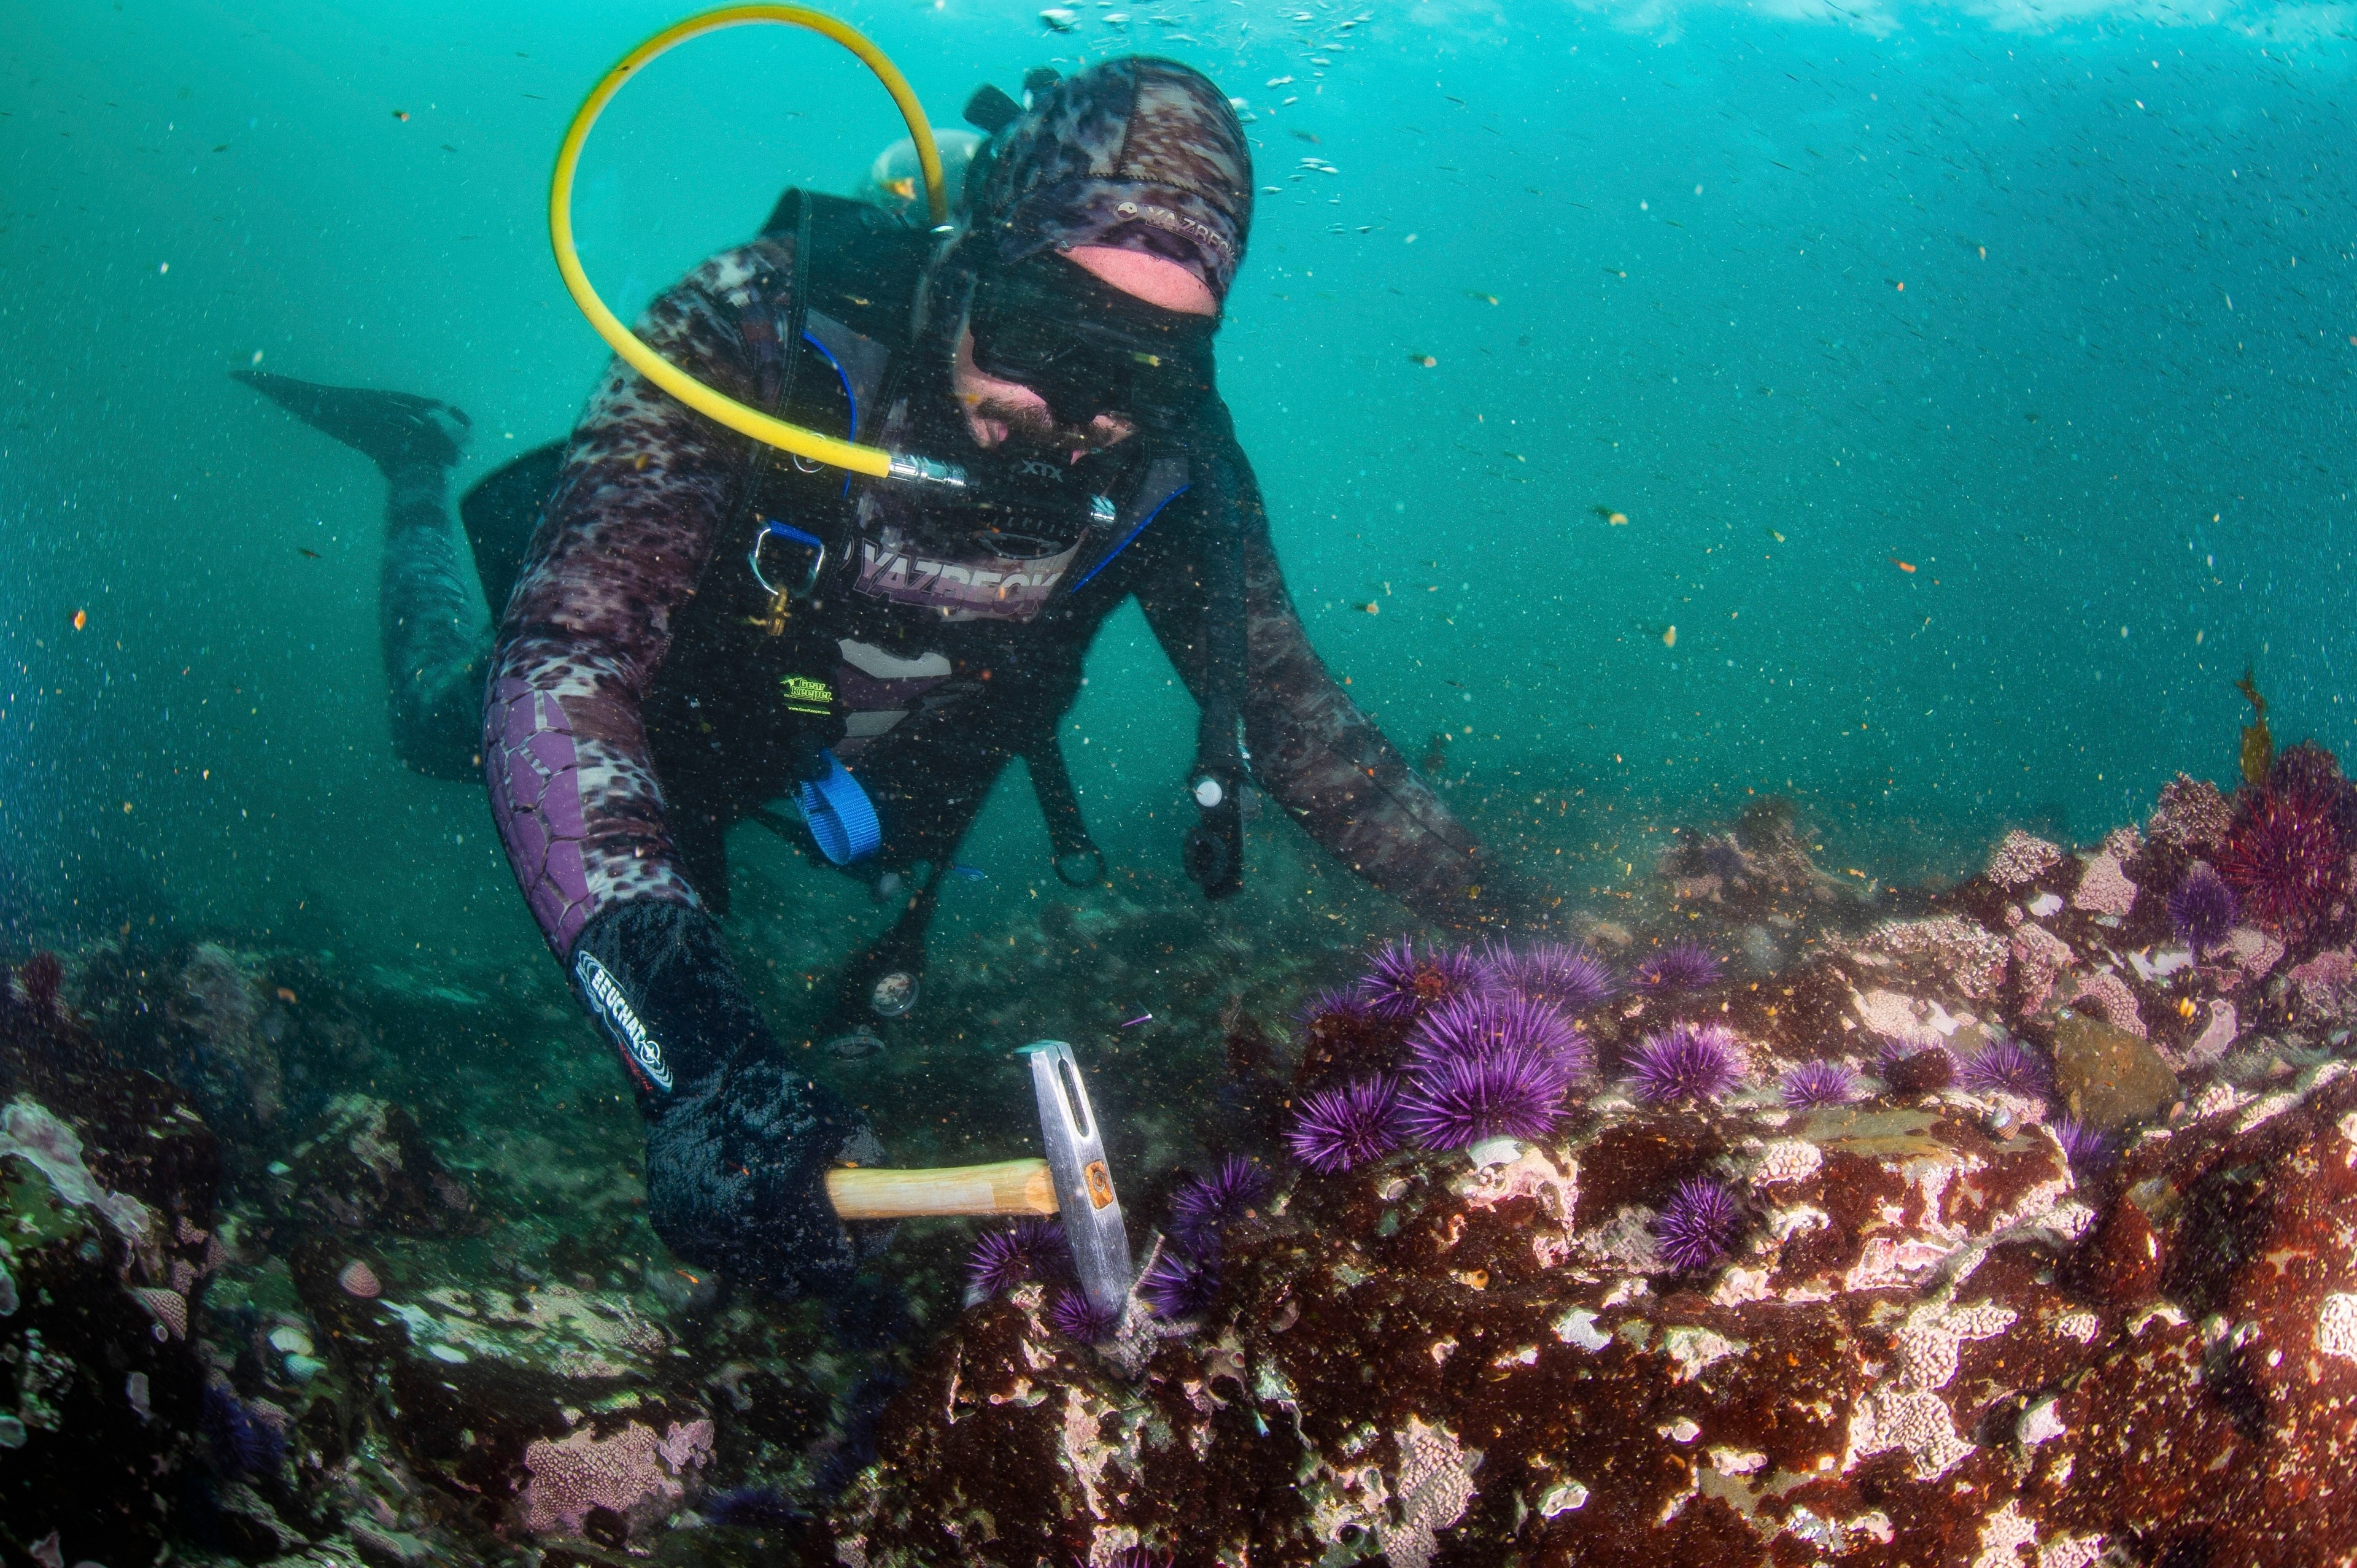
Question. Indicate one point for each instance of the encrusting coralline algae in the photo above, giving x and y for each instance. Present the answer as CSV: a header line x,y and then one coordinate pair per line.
x,y
2012,1232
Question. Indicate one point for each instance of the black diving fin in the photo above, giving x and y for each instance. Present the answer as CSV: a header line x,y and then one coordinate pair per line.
x,y
395,429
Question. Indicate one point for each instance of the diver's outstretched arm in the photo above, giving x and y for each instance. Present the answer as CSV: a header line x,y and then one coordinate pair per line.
x,y
739,1140
431,619
1315,754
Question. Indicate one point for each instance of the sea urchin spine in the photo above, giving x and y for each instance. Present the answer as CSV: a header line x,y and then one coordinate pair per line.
x,y
1179,1285
1511,1092
1004,1259
1556,975
1813,1084
1336,1128
2007,1067
1079,1319
2288,856
1698,1225
1686,1061
1207,1205
1400,980
1680,966
1484,1025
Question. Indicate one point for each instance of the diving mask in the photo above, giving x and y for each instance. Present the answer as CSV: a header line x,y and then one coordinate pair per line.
x,y
1089,348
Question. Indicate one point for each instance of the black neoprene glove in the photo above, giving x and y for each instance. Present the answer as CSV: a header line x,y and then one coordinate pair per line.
x,y
738,1143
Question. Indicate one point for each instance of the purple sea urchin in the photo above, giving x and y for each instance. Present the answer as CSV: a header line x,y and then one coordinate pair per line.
x,y
1207,1204
2204,909
1481,1026
1556,975
1680,966
2087,1147
1336,1002
1813,1084
1081,1320
1512,1092
1002,1259
1697,1226
1686,1061
1180,1286
2005,1066
1336,1128
1400,980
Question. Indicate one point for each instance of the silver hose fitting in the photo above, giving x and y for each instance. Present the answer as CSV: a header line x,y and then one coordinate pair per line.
x,y
909,467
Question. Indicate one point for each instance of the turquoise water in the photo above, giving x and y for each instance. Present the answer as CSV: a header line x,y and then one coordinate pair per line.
x,y
1924,415
1656,256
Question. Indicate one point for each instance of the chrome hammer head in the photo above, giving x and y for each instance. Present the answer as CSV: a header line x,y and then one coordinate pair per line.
x,y
1076,1160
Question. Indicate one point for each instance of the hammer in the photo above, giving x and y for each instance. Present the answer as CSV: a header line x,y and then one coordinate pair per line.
x,y
1073,1181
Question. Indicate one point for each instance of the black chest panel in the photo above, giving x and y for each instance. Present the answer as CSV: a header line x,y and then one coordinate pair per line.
x,y
918,614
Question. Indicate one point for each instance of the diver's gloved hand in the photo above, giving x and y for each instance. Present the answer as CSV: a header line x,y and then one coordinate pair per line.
x,y
738,1143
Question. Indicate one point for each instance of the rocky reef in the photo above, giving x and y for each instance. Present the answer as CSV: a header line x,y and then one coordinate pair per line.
x,y
2016,1231
1785,1219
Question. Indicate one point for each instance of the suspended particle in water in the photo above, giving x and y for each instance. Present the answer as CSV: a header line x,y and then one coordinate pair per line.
x,y
1670,636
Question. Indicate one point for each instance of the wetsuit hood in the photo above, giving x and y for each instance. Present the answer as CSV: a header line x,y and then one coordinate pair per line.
x,y
1138,153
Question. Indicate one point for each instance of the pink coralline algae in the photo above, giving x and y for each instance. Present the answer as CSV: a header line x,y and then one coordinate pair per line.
x,y
2040,957
2192,815
635,1468
1918,1327
2103,888
2019,859
168,1307
1961,952
2107,994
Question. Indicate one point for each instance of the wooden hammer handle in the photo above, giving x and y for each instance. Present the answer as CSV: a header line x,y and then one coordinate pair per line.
x,y
1010,1186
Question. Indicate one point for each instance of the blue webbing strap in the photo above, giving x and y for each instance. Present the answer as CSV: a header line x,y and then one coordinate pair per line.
x,y
1125,538
840,815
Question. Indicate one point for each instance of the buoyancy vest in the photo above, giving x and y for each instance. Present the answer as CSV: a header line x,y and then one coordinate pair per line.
x,y
834,609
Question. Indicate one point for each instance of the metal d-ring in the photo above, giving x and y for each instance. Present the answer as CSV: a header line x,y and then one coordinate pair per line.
x,y
816,545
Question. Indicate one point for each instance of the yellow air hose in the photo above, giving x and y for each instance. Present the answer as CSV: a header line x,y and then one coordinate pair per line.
x,y
726,410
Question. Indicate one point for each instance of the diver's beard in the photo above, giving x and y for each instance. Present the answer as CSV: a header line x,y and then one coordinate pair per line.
x,y
1033,425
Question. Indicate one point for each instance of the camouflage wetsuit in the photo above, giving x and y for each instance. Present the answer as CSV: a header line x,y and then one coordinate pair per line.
x,y
637,705
636,529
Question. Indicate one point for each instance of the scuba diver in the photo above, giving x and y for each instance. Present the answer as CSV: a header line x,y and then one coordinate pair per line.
x,y
702,625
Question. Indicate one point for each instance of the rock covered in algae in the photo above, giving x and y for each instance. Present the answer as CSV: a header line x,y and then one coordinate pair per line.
x,y
1929,1349
106,1246
2108,1077
1929,1340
